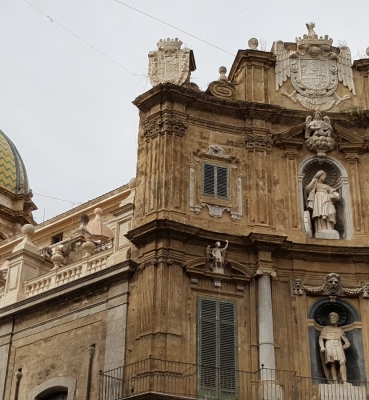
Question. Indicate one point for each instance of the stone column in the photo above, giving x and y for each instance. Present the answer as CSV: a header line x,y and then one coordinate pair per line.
x,y
269,389
266,335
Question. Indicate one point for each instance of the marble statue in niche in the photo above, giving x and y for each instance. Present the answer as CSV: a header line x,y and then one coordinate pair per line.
x,y
321,201
216,256
333,343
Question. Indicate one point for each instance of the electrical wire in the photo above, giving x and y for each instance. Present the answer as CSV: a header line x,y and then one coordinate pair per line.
x,y
56,198
174,27
79,38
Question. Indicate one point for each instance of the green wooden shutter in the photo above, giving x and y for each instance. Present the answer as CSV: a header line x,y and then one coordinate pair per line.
x,y
208,344
227,350
217,349
222,181
209,180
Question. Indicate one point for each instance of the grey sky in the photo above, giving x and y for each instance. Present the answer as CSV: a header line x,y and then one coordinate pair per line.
x,y
68,108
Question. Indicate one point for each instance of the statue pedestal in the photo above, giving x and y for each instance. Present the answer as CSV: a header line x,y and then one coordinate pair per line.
x,y
217,270
270,390
341,391
327,235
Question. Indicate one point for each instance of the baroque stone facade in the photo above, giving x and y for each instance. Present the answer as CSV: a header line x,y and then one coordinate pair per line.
x,y
235,266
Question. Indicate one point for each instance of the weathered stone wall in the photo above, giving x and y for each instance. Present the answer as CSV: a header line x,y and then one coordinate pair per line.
x,y
53,340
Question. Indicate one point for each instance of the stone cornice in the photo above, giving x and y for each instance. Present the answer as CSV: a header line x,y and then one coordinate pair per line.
x,y
16,216
278,245
165,228
201,101
241,110
362,65
318,252
251,57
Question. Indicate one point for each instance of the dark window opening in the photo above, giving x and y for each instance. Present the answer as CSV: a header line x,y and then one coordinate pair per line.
x,y
57,238
56,396
215,181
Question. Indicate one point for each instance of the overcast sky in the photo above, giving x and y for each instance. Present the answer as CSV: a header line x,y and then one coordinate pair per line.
x,y
68,108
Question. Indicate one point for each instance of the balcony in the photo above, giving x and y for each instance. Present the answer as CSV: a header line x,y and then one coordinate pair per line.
x,y
162,379
66,273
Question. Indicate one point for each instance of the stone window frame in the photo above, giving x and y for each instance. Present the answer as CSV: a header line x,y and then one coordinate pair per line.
x,y
52,385
216,205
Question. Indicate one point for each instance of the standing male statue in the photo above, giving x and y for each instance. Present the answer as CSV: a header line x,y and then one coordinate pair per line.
x,y
332,350
216,256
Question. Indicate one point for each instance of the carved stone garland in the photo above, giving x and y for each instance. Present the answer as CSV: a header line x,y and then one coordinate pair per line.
x,y
332,288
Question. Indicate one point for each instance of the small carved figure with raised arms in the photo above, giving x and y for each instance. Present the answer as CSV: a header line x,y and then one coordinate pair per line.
x,y
217,257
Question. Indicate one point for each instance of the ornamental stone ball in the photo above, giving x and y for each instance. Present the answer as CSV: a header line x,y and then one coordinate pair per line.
x,y
367,51
28,229
98,211
222,72
253,43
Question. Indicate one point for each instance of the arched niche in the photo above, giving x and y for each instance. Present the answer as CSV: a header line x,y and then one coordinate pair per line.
x,y
54,385
336,178
350,322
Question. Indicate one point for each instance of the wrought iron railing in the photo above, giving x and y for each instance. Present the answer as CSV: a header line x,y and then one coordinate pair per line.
x,y
185,380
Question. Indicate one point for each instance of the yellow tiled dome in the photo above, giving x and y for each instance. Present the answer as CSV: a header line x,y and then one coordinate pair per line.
x,y
13,175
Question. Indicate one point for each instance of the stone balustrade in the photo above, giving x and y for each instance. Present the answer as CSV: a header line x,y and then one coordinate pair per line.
x,y
62,275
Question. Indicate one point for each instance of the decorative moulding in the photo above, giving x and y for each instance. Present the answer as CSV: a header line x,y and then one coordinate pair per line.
x,y
315,68
170,63
331,287
197,202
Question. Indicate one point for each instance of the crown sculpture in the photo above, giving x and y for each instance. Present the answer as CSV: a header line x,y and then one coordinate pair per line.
x,y
169,44
170,63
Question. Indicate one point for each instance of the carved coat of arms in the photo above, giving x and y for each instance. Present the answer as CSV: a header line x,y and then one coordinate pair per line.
x,y
315,68
169,63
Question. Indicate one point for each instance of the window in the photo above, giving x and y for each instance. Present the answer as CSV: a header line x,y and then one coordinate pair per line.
x,y
217,349
57,238
215,181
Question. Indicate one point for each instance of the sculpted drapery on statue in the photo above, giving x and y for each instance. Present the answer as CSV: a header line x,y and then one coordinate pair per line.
x,y
333,343
321,199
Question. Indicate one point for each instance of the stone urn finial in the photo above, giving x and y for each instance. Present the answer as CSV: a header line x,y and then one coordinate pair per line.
x,y
253,43
57,258
88,246
28,231
222,72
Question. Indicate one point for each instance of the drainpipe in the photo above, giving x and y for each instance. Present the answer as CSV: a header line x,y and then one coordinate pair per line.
x,y
91,352
18,376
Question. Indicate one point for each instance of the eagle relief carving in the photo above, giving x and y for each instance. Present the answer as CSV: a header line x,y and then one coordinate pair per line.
x,y
315,69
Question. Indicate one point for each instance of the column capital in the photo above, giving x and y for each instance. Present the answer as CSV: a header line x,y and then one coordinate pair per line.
x,y
266,272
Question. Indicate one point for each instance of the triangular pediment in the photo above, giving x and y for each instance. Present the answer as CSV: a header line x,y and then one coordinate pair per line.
x,y
292,137
348,135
